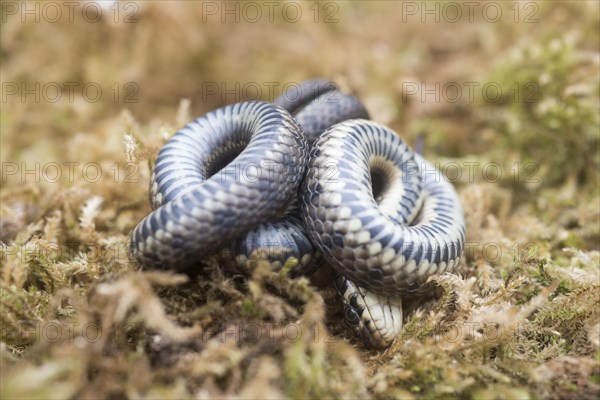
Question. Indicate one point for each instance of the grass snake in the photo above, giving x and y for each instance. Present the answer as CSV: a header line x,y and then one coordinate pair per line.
x,y
308,174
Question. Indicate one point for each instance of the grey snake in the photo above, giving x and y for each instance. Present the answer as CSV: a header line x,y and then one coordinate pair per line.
x,y
307,175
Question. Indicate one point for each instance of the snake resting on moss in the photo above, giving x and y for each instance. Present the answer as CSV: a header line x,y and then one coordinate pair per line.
x,y
306,176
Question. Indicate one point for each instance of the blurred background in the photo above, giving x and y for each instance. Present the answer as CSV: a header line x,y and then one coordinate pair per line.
x,y
467,76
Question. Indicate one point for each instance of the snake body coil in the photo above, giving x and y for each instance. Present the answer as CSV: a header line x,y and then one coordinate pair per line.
x,y
363,189
316,105
382,216
202,200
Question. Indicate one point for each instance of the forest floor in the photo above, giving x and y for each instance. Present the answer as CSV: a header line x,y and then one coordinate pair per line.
x,y
504,97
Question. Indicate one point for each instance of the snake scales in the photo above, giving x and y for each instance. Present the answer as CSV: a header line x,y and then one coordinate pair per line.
x,y
306,172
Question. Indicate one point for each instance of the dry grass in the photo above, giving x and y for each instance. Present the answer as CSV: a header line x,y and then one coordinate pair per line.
x,y
79,320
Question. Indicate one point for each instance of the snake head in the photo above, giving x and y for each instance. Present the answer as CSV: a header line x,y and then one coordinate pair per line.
x,y
376,319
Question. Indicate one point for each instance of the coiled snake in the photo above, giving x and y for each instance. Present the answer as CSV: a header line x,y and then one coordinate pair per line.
x,y
382,216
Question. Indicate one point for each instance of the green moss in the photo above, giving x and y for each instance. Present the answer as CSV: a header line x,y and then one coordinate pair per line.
x,y
250,310
521,325
549,109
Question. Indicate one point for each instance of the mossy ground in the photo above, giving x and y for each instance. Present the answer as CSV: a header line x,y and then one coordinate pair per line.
x,y
79,320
